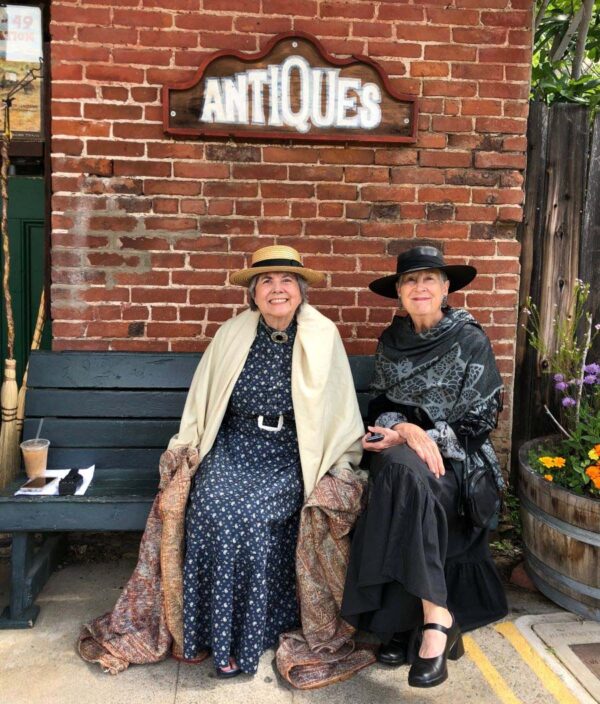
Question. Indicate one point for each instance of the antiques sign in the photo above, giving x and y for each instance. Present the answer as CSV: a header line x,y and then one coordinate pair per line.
x,y
292,90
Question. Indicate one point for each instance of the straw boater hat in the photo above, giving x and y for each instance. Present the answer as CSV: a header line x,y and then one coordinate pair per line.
x,y
275,258
418,259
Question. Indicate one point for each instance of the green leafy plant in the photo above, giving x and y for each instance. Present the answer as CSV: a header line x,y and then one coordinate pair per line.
x,y
566,53
573,461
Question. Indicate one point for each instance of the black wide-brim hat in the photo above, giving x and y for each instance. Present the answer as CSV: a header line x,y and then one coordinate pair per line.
x,y
418,259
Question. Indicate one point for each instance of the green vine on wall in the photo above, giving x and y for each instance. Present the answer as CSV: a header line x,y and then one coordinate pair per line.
x,y
566,52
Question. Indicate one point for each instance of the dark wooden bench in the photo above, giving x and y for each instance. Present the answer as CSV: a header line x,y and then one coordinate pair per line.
x,y
116,410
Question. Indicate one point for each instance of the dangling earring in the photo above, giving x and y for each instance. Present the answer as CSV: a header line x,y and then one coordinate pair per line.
x,y
444,301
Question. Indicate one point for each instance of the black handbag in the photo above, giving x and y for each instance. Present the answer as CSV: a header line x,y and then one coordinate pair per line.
x,y
479,496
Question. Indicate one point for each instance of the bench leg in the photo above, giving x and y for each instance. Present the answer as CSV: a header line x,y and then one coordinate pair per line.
x,y
29,573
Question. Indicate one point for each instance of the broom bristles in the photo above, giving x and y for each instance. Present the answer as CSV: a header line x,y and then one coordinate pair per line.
x,y
9,436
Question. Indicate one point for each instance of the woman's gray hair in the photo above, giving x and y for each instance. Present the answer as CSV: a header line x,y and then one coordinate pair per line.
x,y
302,285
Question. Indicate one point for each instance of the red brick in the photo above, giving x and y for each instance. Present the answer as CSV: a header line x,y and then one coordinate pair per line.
x,y
494,160
417,174
114,72
489,71
443,230
507,19
171,224
355,10
442,123
220,207
431,194
512,91
419,33
393,11
69,14
263,25
116,223
77,52
479,37
144,95
290,155
445,158
308,8
240,189
391,157
404,50
509,55
457,88
452,17
144,57
107,35
429,68
504,124
478,213
172,38
315,173
164,187
388,193
108,111
199,170
114,148
287,190
451,52
481,107
142,18
373,174
135,130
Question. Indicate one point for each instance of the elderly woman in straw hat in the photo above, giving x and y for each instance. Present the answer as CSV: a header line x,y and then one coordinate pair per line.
x,y
260,411
420,558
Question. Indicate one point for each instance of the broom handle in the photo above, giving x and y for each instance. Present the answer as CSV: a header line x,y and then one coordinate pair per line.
x,y
35,344
10,323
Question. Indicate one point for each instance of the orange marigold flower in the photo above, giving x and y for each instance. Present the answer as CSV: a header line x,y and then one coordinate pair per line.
x,y
559,461
547,461
548,477
593,473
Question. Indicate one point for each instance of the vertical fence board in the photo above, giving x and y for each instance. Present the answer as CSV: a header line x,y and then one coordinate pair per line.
x,y
530,234
560,238
589,253
568,142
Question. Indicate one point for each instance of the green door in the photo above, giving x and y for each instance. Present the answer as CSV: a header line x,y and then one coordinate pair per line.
x,y
27,265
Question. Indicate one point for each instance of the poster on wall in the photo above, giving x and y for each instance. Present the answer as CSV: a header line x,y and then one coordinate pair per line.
x,y
21,52
292,89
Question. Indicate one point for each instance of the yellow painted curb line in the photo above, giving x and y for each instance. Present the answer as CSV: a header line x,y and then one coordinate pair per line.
x,y
549,679
494,678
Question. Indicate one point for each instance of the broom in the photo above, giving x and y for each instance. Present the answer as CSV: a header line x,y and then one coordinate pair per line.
x,y
35,345
9,435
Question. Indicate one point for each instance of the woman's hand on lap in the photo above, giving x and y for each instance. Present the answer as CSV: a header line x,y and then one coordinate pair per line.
x,y
390,439
417,439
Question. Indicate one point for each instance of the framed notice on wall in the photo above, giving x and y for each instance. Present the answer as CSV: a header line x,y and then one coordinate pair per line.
x,y
292,89
20,52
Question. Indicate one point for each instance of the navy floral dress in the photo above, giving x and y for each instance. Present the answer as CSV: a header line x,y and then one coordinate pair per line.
x,y
239,589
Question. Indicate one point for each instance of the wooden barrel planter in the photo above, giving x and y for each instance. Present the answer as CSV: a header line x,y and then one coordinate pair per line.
x,y
561,536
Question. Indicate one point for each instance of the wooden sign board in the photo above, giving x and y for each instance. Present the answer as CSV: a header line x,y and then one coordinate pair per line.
x,y
291,90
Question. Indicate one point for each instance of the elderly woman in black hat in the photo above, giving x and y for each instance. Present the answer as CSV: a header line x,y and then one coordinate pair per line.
x,y
420,571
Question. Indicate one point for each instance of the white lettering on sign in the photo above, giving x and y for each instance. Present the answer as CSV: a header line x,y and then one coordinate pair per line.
x,y
325,99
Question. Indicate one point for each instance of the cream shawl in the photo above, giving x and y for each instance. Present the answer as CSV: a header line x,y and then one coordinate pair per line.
x,y
328,420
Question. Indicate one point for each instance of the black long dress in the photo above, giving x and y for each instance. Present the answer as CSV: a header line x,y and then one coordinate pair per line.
x,y
412,543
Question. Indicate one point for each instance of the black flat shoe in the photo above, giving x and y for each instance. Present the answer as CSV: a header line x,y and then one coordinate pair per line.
x,y
394,653
429,672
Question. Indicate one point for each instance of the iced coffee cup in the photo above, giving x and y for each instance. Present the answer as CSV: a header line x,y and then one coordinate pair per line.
x,y
35,456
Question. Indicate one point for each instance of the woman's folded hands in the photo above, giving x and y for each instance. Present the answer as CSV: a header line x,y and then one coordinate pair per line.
x,y
414,436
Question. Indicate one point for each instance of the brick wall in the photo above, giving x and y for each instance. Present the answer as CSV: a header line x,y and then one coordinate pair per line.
x,y
145,228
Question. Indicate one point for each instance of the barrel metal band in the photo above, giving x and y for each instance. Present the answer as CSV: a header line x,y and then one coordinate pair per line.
x,y
548,572
585,536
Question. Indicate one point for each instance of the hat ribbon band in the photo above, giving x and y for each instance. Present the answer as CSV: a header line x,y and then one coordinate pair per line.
x,y
276,262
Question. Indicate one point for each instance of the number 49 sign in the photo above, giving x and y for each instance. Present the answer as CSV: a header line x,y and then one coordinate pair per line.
x,y
293,90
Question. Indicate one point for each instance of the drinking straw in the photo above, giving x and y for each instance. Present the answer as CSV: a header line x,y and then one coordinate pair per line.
x,y
39,428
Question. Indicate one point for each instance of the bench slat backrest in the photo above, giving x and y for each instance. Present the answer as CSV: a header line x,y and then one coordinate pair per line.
x,y
119,409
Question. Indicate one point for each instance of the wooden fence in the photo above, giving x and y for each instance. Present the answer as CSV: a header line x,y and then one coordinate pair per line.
x,y
560,239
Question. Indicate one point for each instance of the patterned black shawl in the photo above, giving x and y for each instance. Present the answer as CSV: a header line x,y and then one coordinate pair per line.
x,y
449,373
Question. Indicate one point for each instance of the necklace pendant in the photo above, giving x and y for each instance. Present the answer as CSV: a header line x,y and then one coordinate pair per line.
x,y
279,336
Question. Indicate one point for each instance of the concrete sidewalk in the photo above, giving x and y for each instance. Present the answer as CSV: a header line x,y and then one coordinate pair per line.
x,y
40,666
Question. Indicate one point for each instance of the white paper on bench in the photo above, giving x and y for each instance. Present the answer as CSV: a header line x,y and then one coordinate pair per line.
x,y
52,489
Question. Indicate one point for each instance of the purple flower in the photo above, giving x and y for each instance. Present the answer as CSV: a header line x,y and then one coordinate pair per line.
x,y
560,377
592,368
589,379
568,401
561,386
